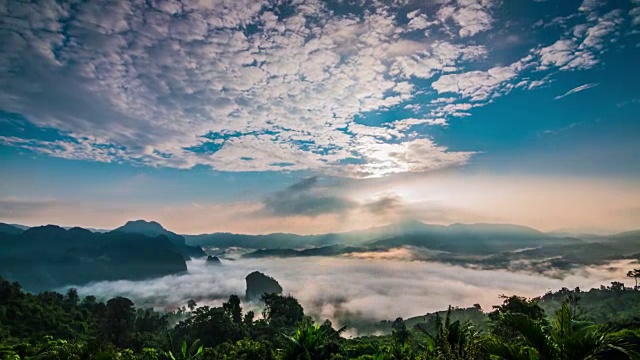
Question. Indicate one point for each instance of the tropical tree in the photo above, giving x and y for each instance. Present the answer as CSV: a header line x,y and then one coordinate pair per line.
x,y
282,311
635,274
233,309
191,304
187,352
119,321
453,340
565,338
316,342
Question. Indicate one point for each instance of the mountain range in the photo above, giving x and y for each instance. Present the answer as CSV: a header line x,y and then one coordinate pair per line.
x,y
46,257
491,246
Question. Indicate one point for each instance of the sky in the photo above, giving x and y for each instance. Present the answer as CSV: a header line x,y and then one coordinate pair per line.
x,y
313,116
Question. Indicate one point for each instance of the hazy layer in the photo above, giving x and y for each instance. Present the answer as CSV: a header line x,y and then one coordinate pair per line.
x,y
333,287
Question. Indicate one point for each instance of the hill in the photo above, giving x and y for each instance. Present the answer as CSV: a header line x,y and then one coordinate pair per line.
x,y
10,229
397,234
154,229
47,257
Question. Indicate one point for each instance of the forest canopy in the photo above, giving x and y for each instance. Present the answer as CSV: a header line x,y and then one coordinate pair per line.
x,y
567,324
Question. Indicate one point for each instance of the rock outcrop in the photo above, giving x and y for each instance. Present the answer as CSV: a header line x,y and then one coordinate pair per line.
x,y
213,260
259,284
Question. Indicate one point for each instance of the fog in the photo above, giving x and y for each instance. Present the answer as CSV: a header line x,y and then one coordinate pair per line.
x,y
332,287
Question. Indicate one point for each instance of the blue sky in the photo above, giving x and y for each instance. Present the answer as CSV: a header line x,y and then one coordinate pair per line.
x,y
111,110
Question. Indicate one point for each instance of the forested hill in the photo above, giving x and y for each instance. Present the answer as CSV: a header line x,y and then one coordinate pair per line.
x,y
555,326
47,257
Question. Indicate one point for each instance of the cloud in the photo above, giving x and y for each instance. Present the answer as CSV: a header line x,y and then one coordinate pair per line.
x,y
476,85
14,208
179,86
472,16
581,50
576,90
380,288
385,204
242,86
635,12
590,5
305,198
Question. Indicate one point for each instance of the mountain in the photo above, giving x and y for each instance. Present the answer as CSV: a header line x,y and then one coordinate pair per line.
x,y
480,238
48,257
10,229
154,229
488,246
477,239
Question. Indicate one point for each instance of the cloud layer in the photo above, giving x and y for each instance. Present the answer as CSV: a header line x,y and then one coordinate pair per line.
x,y
260,86
337,287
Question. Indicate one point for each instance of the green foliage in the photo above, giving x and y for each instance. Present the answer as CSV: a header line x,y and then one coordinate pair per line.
x,y
52,326
282,311
192,352
454,340
565,338
604,305
316,342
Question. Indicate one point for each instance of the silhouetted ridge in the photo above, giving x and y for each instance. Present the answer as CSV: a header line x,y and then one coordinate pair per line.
x,y
10,229
153,229
47,257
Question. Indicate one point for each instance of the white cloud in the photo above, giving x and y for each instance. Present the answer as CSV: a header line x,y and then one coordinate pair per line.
x,y
590,5
180,84
575,90
147,87
420,22
472,16
476,85
581,51
420,155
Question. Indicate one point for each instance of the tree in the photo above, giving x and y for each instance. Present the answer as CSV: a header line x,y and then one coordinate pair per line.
x,y
282,310
514,305
453,340
187,353
191,304
616,286
400,332
72,297
316,342
120,319
566,338
635,274
233,309
212,325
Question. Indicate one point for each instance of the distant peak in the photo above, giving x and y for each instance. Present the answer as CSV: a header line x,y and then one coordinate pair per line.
x,y
142,224
410,222
46,229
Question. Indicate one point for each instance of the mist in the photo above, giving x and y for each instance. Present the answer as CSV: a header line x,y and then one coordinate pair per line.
x,y
336,287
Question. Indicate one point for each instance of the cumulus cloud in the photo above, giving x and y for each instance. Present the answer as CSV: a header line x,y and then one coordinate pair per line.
x,y
582,49
476,85
379,288
471,16
238,86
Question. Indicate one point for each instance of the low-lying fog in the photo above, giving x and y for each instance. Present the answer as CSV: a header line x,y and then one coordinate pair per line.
x,y
331,287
